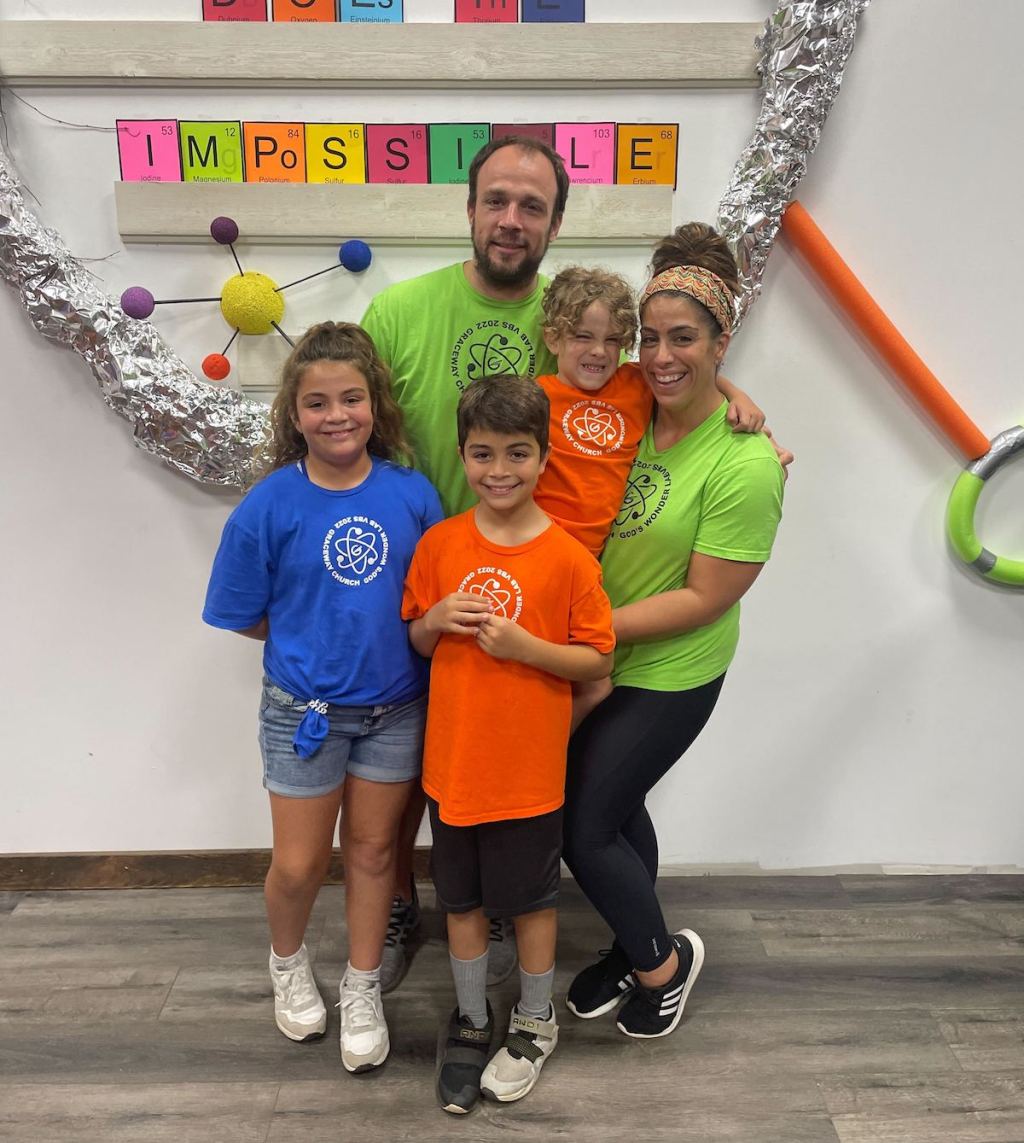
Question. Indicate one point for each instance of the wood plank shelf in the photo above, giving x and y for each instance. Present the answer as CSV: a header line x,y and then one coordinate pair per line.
x,y
190,54
325,213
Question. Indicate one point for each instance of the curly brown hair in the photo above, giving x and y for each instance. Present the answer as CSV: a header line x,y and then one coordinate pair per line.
x,y
575,289
697,244
336,341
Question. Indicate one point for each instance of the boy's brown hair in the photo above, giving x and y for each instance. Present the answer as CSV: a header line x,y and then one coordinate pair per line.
x,y
506,404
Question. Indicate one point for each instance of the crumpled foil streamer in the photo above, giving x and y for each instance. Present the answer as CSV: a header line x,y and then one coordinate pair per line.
x,y
210,433
805,45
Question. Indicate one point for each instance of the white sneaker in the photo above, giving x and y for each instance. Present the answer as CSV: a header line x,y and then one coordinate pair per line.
x,y
515,1067
364,1034
298,1007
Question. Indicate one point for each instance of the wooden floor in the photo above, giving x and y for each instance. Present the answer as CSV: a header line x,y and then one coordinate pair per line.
x,y
850,1008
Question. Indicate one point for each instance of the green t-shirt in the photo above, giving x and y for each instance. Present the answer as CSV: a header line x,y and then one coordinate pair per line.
x,y
716,492
438,334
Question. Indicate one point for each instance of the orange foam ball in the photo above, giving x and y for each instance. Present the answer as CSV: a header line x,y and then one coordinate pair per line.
x,y
216,366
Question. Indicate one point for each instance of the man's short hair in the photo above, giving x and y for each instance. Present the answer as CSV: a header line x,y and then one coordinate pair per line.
x,y
506,404
527,143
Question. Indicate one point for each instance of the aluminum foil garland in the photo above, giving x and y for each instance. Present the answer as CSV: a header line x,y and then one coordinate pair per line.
x,y
804,46
212,433
206,432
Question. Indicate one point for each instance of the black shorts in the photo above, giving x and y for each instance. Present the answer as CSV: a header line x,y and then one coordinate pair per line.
x,y
507,868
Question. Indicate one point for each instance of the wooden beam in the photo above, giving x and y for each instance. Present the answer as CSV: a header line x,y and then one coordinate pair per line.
x,y
191,53
324,213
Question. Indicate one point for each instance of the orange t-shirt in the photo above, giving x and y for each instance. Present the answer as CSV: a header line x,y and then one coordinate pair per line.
x,y
594,441
497,730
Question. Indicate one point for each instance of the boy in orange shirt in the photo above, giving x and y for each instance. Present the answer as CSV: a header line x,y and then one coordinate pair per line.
x,y
511,610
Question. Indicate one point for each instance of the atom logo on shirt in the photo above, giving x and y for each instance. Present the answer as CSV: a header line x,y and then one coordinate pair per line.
x,y
496,587
594,427
355,550
491,347
646,494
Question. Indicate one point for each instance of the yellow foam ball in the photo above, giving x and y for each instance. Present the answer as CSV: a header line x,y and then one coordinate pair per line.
x,y
249,303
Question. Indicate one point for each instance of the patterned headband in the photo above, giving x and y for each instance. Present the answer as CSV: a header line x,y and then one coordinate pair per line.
x,y
701,285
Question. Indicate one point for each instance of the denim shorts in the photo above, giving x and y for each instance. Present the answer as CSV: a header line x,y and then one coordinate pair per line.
x,y
378,743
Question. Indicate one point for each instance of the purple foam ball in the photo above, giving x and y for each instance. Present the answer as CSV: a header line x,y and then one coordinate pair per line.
x,y
224,230
137,302
355,255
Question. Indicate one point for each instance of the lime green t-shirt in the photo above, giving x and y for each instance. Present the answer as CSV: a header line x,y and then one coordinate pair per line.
x,y
438,334
716,492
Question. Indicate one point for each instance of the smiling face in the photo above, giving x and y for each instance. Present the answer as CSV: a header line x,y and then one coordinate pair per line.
x,y
502,469
512,220
334,414
589,353
680,355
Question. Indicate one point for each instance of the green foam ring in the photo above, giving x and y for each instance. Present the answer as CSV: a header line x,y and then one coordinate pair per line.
x,y
963,501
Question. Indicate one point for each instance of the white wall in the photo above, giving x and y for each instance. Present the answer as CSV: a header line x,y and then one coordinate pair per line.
x,y
871,714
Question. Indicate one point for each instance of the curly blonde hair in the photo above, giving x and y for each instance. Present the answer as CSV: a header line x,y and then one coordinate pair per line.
x,y
574,290
336,341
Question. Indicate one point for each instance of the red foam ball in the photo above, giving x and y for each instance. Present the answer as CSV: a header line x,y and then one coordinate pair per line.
x,y
216,366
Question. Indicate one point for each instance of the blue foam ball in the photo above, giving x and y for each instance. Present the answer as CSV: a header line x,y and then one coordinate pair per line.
x,y
355,255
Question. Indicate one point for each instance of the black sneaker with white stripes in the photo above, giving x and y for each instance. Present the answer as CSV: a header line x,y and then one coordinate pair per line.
x,y
652,1012
600,987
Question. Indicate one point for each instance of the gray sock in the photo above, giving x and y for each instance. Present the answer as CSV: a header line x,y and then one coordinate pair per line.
x,y
535,993
470,978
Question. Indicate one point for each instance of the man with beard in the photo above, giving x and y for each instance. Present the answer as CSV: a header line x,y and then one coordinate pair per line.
x,y
444,329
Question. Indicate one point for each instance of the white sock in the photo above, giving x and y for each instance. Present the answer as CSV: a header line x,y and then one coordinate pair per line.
x,y
361,975
286,962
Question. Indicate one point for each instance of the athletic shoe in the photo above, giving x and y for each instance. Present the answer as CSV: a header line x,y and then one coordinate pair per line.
x,y
516,1065
364,1034
465,1054
502,954
651,1012
403,925
298,1009
600,987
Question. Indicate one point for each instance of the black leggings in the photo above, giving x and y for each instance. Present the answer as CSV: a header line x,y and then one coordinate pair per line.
x,y
617,755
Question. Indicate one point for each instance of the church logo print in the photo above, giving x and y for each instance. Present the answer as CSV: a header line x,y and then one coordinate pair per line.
x,y
646,495
498,588
355,550
491,347
594,427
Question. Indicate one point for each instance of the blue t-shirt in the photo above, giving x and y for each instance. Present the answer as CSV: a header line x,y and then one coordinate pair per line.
x,y
327,569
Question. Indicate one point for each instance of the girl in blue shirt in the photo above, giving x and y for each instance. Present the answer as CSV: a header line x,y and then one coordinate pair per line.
x,y
312,563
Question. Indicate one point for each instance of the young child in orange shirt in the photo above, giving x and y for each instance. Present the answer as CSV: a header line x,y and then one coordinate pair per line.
x,y
511,610
600,406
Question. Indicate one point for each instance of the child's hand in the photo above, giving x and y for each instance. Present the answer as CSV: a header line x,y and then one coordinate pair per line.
x,y
503,639
786,458
460,613
744,415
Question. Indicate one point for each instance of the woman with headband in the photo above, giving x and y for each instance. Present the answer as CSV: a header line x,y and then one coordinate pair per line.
x,y
696,526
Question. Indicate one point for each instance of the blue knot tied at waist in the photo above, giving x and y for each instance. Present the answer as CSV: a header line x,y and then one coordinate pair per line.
x,y
312,730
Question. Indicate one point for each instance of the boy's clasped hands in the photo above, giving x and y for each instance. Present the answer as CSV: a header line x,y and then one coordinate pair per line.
x,y
464,613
